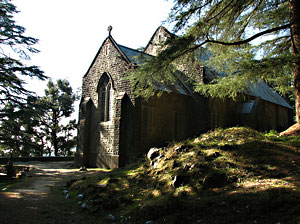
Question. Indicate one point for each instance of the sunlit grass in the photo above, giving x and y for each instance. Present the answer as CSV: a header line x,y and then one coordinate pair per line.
x,y
254,163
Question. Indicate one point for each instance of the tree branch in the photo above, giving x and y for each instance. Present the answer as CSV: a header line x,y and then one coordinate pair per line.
x,y
195,47
250,38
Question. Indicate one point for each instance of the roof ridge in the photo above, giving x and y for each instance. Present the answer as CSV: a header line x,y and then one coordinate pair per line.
x,y
116,45
164,28
118,48
141,52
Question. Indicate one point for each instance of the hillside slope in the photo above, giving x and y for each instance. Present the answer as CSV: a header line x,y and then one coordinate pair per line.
x,y
234,175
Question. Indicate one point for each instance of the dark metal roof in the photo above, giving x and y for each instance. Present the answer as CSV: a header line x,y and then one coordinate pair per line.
x,y
262,90
259,89
134,56
139,58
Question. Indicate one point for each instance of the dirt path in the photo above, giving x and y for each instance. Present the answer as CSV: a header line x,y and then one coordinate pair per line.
x,y
30,201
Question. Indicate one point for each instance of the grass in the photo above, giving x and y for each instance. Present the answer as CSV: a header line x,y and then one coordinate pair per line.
x,y
234,175
10,185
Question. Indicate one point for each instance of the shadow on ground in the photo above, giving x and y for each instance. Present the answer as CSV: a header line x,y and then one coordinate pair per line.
x,y
38,197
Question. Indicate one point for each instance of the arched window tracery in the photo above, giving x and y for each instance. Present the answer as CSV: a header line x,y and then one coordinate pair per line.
x,y
104,97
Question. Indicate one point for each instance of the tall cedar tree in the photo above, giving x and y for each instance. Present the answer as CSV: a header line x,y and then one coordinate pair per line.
x,y
11,69
59,103
36,129
15,48
20,132
247,40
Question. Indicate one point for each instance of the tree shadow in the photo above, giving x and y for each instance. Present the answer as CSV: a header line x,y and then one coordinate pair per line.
x,y
39,197
264,186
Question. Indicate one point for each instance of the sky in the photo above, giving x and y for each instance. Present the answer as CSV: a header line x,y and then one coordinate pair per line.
x,y
70,32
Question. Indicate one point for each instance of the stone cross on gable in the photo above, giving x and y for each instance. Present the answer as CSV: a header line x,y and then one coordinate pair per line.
x,y
109,30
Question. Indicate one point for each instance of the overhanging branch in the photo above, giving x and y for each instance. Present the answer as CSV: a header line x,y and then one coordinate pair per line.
x,y
195,47
250,38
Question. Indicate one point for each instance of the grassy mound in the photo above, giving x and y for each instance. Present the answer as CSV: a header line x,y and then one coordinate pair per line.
x,y
234,175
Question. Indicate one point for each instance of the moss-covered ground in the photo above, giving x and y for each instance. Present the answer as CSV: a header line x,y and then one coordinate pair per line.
x,y
234,175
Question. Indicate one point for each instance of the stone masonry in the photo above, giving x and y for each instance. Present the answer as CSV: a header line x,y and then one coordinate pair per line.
x,y
114,127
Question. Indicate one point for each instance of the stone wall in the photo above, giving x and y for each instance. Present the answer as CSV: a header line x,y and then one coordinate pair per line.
x,y
103,138
155,44
137,125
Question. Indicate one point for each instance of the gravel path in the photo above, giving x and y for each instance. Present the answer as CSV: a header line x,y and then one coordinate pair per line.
x,y
29,202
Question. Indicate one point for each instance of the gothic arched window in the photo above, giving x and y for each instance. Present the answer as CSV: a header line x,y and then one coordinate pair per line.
x,y
104,97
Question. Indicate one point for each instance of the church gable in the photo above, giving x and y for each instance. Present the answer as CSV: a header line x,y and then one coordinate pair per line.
x,y
155,44
99,127
114,126
109,60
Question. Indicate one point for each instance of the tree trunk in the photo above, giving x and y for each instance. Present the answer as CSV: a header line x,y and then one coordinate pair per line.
x,y
54,133
295,33
55,145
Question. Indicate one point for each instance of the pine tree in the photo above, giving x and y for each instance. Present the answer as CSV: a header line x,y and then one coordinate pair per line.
x,y
35,128
58,103
20,129
15,49
14,43
247,40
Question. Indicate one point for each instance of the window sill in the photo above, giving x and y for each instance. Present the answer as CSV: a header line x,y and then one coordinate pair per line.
x,y
104,123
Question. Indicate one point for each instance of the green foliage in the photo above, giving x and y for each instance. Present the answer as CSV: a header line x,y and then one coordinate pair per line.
x,y
58,104
247,41
259,177
27,123
19,129
39,127
18,113
13,42
150,78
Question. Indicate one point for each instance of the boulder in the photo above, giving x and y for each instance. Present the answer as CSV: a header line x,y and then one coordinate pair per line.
x,y
180,180
111,217
70,182
183,148
83,168
153,153
149,222
226,147
212,155
80,196
187,167
154,163
84,205
215,180
175,164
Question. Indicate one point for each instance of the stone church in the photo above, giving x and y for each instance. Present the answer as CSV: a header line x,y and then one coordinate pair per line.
x,y
115,126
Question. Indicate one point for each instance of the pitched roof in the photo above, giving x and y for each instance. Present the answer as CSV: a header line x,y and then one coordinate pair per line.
x,y
259,89
127,58
138,58
262,90
134,56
